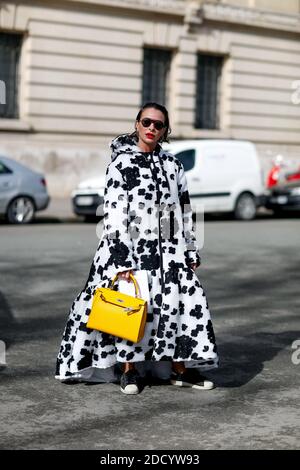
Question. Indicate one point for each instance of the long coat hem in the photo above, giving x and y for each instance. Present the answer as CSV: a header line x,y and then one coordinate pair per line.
x,y
111,373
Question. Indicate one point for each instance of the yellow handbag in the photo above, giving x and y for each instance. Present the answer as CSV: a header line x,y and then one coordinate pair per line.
x,y
118,314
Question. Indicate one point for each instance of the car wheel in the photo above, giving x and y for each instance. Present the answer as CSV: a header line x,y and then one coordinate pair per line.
x,y
20,211
245,207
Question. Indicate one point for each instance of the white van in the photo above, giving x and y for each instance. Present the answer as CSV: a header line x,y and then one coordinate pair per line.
x,y
222,175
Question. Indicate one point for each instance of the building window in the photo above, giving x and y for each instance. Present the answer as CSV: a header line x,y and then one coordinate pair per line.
x,y
10,48
156,71
209,70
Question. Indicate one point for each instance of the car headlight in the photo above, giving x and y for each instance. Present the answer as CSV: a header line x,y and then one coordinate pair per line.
x,y
295,191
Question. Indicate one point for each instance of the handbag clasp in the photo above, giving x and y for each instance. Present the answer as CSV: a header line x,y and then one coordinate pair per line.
x,y
131,310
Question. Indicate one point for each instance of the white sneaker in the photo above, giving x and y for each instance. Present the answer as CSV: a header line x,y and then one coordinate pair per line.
x,y
129,382
191,378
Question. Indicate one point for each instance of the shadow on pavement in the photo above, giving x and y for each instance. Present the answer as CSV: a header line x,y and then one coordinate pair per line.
x,y
33,329
243,359
7,321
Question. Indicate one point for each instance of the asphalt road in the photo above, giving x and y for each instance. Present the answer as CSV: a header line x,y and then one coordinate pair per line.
x,y
250,274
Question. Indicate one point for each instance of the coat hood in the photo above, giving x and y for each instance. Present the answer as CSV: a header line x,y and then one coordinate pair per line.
x,y
126,143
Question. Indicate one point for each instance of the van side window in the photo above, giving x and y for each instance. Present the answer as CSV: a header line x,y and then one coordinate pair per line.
x,y
187,158
3,169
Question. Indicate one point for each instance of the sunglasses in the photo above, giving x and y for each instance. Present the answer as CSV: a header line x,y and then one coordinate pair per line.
x,y
146,122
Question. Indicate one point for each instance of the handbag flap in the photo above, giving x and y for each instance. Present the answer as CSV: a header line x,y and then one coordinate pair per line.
x,y
119,298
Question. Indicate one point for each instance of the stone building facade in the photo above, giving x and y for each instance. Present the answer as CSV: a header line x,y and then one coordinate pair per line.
x,y
73,74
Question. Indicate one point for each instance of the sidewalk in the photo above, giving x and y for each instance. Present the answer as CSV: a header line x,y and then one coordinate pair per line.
x,y
61,209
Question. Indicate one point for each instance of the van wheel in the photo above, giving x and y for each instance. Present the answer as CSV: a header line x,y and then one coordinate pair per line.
x,y
20,211
245,207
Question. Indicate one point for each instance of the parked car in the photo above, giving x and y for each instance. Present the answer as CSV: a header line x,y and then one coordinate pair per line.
x,y
88,195
22,192
222,175
284,198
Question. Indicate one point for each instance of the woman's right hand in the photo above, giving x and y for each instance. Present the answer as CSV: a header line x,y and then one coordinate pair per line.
x,y
125,275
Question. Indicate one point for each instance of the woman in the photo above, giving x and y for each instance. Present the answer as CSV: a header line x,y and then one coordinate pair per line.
x,y
147,226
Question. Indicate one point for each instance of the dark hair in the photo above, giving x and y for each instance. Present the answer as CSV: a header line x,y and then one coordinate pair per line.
x,y
163,110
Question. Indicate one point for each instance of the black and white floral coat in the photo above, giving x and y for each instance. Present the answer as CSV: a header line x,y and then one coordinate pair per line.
x,y
148,226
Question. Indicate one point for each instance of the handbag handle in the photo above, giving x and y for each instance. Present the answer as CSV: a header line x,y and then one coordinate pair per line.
x,y
136,287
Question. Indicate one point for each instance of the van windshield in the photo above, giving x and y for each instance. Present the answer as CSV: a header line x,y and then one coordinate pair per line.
x,y
187,158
